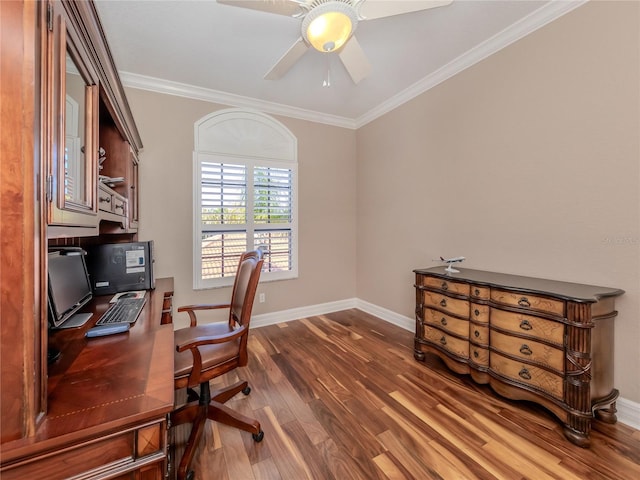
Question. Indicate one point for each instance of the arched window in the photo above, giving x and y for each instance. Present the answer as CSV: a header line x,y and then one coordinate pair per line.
x,y
245,196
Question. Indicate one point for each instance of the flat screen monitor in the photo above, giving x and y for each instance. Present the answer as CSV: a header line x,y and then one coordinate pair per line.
x,y
69,288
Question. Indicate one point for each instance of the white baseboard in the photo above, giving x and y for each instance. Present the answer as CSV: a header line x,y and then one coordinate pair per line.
x,y
628,411
301,312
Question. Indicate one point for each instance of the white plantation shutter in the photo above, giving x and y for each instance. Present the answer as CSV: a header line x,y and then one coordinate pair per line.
x,y
243,201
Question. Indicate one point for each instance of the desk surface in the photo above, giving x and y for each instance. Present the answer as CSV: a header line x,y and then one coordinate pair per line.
x,y
100,385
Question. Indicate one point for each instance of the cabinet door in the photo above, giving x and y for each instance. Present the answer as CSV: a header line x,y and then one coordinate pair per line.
x,y
73,148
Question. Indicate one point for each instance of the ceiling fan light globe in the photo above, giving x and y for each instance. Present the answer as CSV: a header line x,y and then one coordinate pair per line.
x,y
328,26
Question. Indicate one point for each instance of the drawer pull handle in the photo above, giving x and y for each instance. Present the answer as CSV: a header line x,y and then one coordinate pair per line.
x,y
525,350
443,302
476,312
443,341
525,325
476,333
524,302
444,286
476,292
475,354
105,199
443,321
524,373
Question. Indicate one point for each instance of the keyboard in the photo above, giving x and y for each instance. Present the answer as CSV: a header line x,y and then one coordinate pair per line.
x,y
125,310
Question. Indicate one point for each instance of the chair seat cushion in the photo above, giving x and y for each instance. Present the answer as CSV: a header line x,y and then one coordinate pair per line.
x,y
212,355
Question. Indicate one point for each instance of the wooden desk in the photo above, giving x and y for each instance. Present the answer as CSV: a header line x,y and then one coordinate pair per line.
x,y
108,400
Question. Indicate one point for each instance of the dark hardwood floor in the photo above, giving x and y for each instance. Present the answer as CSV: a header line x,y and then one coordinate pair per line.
x,y
340,396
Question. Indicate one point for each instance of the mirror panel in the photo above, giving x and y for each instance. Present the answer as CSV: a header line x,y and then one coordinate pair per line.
x,y
75,168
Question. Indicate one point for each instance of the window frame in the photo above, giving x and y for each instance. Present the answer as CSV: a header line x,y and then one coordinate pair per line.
x,y
250,131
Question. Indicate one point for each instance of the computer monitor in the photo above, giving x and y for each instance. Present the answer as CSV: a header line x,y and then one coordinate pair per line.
x,y
69,288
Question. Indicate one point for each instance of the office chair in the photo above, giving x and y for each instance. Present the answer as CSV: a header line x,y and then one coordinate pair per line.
x,y
204,352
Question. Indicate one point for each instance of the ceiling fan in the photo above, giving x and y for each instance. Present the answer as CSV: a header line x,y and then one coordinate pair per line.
x,y
329,26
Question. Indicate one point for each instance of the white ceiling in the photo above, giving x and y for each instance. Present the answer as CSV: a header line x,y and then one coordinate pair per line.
x,y
202,49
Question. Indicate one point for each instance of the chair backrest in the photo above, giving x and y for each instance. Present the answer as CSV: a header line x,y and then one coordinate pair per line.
x,y
243,295
244,288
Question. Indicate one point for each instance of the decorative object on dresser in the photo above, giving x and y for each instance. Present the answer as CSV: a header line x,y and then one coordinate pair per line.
x,y
545,341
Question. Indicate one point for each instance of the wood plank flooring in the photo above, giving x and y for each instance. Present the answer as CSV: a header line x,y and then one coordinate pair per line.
x,y
340,396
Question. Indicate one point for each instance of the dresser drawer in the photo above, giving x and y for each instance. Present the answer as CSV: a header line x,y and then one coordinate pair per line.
x,y
529,350
524,373
479,334
529,302
446,322
479,313
528,325
451,305
479,355
448,286
456,346
482,293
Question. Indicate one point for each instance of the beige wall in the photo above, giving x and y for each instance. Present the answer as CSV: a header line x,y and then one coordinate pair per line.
x,y
327,226
525,163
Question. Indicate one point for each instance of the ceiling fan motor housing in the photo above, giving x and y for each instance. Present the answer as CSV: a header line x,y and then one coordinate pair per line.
x,y
329,24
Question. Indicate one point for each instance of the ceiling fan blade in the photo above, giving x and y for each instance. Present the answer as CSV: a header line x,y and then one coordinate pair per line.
x,y
354,60
371,9
287,61
281,7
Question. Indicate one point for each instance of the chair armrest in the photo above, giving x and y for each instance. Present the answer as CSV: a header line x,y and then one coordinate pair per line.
x,y
190,309
194,343
211,339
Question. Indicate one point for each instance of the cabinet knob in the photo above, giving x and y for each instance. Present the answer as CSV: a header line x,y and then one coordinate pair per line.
x,y
444,286
525,350
443,302
475,354
524,373
443,321
476,312
443,341
476,292
476,333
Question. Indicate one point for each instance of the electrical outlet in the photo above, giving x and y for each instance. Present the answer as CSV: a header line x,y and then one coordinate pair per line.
x,y
261,298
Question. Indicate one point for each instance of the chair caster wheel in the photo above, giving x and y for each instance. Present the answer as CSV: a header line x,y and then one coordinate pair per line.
x,y
246,390
258,436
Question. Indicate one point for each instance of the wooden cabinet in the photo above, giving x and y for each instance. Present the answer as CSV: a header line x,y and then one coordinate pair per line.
x,y
88,130
531,339
70,94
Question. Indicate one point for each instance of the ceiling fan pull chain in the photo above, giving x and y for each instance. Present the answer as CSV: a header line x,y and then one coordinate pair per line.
x,y
327,79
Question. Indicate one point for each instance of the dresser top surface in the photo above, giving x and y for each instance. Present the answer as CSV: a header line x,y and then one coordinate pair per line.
x,y
566,290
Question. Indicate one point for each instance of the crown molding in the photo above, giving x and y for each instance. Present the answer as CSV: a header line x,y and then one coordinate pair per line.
x,y
532,22
168,87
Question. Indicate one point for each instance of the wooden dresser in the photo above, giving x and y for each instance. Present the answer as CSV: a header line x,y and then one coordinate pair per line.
x,y
531,339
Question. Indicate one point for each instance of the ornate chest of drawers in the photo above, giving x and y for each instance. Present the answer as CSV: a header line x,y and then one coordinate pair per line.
x,y
531,339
